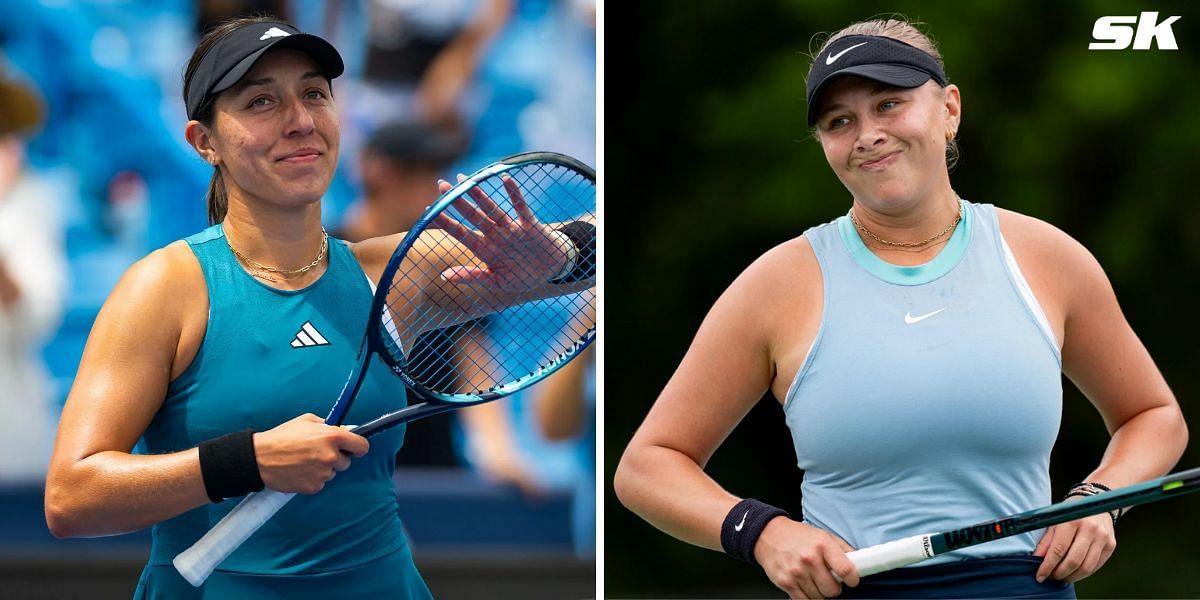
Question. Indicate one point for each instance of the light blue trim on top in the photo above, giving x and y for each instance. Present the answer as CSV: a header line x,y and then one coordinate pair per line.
x,y
946,259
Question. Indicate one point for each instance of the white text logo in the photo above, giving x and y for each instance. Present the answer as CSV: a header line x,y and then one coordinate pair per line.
x,y
1120,32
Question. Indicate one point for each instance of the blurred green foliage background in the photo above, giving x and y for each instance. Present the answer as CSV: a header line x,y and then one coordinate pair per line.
x,y
708,163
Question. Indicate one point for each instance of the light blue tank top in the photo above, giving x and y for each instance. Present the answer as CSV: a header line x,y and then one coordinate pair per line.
x,y
269,356
931,396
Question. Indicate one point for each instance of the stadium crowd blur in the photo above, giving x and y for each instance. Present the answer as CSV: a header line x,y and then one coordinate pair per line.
x,y
95,173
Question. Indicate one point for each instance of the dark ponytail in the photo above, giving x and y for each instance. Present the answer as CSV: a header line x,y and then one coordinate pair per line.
x,y
217,197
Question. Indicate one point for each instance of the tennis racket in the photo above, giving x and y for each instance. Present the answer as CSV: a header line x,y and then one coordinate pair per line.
x,y
912,550
516,239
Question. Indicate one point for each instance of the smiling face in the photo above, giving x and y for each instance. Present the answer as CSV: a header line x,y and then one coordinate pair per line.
x,y
274,134
887,145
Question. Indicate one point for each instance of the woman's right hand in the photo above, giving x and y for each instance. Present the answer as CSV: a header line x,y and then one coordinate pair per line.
x,y
303,454
801,559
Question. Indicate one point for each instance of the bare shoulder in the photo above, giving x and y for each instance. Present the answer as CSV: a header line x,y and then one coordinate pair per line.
x,y
162,297
373,254
1064,274
1042,245
170,273
790,266
782,286
765,320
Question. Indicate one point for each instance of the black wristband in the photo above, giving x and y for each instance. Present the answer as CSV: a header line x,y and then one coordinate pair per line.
x,y
742,526
229,466
583,236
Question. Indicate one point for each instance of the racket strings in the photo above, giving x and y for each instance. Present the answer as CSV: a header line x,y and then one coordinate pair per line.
x,y
465,352
513,343
462,358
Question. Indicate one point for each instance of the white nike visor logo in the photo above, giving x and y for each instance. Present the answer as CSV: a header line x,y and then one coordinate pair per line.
x,y
829,60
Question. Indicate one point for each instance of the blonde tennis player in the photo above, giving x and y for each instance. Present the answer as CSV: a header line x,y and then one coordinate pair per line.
x,y
917,345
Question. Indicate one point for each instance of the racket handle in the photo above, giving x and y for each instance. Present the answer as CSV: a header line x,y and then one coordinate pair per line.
x,y
891,555
197,563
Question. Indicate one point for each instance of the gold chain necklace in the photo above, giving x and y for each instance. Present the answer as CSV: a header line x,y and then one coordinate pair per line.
x,y
924,242
263,271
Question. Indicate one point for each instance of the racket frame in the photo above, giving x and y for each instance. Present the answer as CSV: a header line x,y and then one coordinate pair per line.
x,y
918,548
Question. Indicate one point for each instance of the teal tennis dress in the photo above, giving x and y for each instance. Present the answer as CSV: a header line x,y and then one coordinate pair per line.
x,y
268,356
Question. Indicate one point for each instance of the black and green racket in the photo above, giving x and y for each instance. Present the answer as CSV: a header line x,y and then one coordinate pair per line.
x,y
917,548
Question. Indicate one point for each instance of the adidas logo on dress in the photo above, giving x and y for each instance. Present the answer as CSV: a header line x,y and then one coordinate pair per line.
x,y
308,336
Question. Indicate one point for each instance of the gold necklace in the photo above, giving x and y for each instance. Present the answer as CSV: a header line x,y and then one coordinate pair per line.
x,y
924,242
263,271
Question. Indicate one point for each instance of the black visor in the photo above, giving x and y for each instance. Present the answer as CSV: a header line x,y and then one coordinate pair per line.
x,y
234,54
877,58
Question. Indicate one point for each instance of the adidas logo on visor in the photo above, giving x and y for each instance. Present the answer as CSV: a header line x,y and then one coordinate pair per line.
x,y
274,32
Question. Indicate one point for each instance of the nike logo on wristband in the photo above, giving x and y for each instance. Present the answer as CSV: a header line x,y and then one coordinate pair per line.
x,y
743,523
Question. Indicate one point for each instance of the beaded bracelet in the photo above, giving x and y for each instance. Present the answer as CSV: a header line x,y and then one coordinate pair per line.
x,y
1087,488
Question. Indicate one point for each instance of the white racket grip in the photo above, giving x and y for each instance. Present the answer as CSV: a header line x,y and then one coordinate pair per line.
x,y
891,555
197,563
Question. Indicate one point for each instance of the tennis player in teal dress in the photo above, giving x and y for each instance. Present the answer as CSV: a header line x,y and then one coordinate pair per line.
x,y
267,355
219,351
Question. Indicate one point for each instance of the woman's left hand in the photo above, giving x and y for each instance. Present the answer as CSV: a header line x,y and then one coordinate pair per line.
x,y
1076,549
519,251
